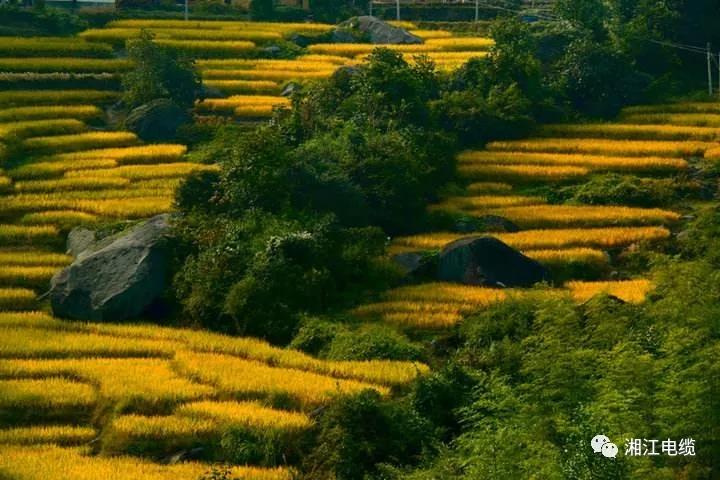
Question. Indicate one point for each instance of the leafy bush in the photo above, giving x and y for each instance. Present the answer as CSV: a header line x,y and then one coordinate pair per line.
x,y
358,433
158,73
15,20
373,342
314,335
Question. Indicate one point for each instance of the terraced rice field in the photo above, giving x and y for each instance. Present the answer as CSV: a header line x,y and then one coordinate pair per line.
x,y
73,390
84,388
659,141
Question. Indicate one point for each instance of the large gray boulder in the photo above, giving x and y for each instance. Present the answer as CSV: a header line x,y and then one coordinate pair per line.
x,y
156,120
375,30
116,278
489,262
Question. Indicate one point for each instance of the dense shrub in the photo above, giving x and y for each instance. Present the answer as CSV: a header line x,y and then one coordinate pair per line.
x,y
158,73
15,20
358,433
372,341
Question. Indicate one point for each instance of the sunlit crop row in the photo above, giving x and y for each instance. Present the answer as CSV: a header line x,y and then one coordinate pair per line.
x,y
208,48
221,25
119,35
147,385
486,202
522,173
14,234
248,414
55,434
145,172
604,147
260,103
433,45
61,64
428,34
31,128
49,46
133,206
244,86
82,141
267,75
45,394
34,463
549,216
21,98
299,64
16,299
63,219
632,291
43,112
55,168
690,119
79,183
127,155
32,258
26,276
553,257
472,160
611,237
626,131
251,379
486,188
679,107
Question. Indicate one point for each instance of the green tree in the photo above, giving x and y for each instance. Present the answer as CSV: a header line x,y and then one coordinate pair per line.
x,y
158,73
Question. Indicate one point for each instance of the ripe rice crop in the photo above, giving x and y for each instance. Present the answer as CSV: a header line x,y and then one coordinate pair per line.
x,y
228,105
59,64
221,25
611,237
247,414
269,64
690,119
244,86
403,24
355,49
12,234
208,48
54,168
49,393
22,276
5,182
631,291
52,46
336,59
680,107
27,318
128,384
250,379
79,183
603,147
63,219
33,258
80,142
485,202
253,111
625,131
522,173
16,299
33,343
159,435
428,34
127,155
48,112
21,98
471,160
551,257
34,463
267,75
119,35
47,434
31,128
544,216
460,43
712,153
480,188
146,172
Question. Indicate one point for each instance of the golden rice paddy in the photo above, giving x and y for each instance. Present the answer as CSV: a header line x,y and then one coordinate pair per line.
x,y
472,163
47,434
522,173
604,147
631,291
59,143
48,112
626,131
60,64
21,98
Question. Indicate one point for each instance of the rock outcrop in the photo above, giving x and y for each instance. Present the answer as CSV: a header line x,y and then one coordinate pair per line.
x,y
116,278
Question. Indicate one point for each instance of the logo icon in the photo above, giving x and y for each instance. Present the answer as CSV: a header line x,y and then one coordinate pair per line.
x,y
602,444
